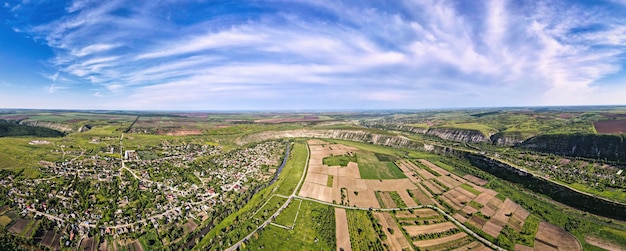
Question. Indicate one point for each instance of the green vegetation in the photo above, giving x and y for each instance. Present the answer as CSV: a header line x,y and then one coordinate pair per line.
x,y
362,235
314,230
288,216
371,147
341,160
371,168
10,129
269,208
293,170
397,199
482,128
4,221
239,223
385,157
329,181
470,189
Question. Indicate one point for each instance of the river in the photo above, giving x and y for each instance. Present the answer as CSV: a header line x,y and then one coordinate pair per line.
x,y
191,243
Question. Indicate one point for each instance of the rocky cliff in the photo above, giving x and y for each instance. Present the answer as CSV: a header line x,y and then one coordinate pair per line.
x,y
52,125
508,139
352,135
459,135
610,147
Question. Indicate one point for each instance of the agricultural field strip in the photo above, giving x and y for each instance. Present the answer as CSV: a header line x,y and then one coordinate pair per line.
x,y
533,173
446,215
291,197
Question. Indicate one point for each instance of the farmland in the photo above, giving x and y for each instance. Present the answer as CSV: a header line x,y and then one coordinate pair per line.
x,y
189,180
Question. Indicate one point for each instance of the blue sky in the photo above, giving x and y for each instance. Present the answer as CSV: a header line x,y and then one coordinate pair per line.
x,y
269,55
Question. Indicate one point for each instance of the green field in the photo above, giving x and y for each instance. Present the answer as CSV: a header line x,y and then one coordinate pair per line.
x,y
314,230
287,216
293,170
269,208
340,160
371,168
470,189
362,235
482,128
4,221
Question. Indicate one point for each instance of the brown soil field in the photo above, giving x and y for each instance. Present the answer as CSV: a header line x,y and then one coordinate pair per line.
x,y
407,198
450,180
475,180
611,126
410,165
458,198
395,241
417,213
426,175
424,229
386,198
454,204
433,187
389,185
507,208
317,191
88,244
412,176
544,246
491,228
601,243
474,246
18,226
477,221
434,167
554,236
421,197
51,240
190,226
469,210
135,245
341,233
484,198
360,192
487,211
444,182
460,218
433,242
403,166
317,178
520,247
467,195
424,190
366,198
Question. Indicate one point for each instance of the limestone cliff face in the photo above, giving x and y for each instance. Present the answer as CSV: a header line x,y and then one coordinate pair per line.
x,y
610,147
508,139
459,135
352,135
52,125
408,128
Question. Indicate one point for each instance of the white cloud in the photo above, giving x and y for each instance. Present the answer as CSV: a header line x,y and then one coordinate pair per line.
x,y
421,48
54,88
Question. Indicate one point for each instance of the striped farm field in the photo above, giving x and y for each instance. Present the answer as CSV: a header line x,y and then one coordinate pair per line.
x,y
425,229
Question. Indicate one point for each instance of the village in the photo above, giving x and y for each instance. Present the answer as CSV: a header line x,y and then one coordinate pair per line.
x,y
118,197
